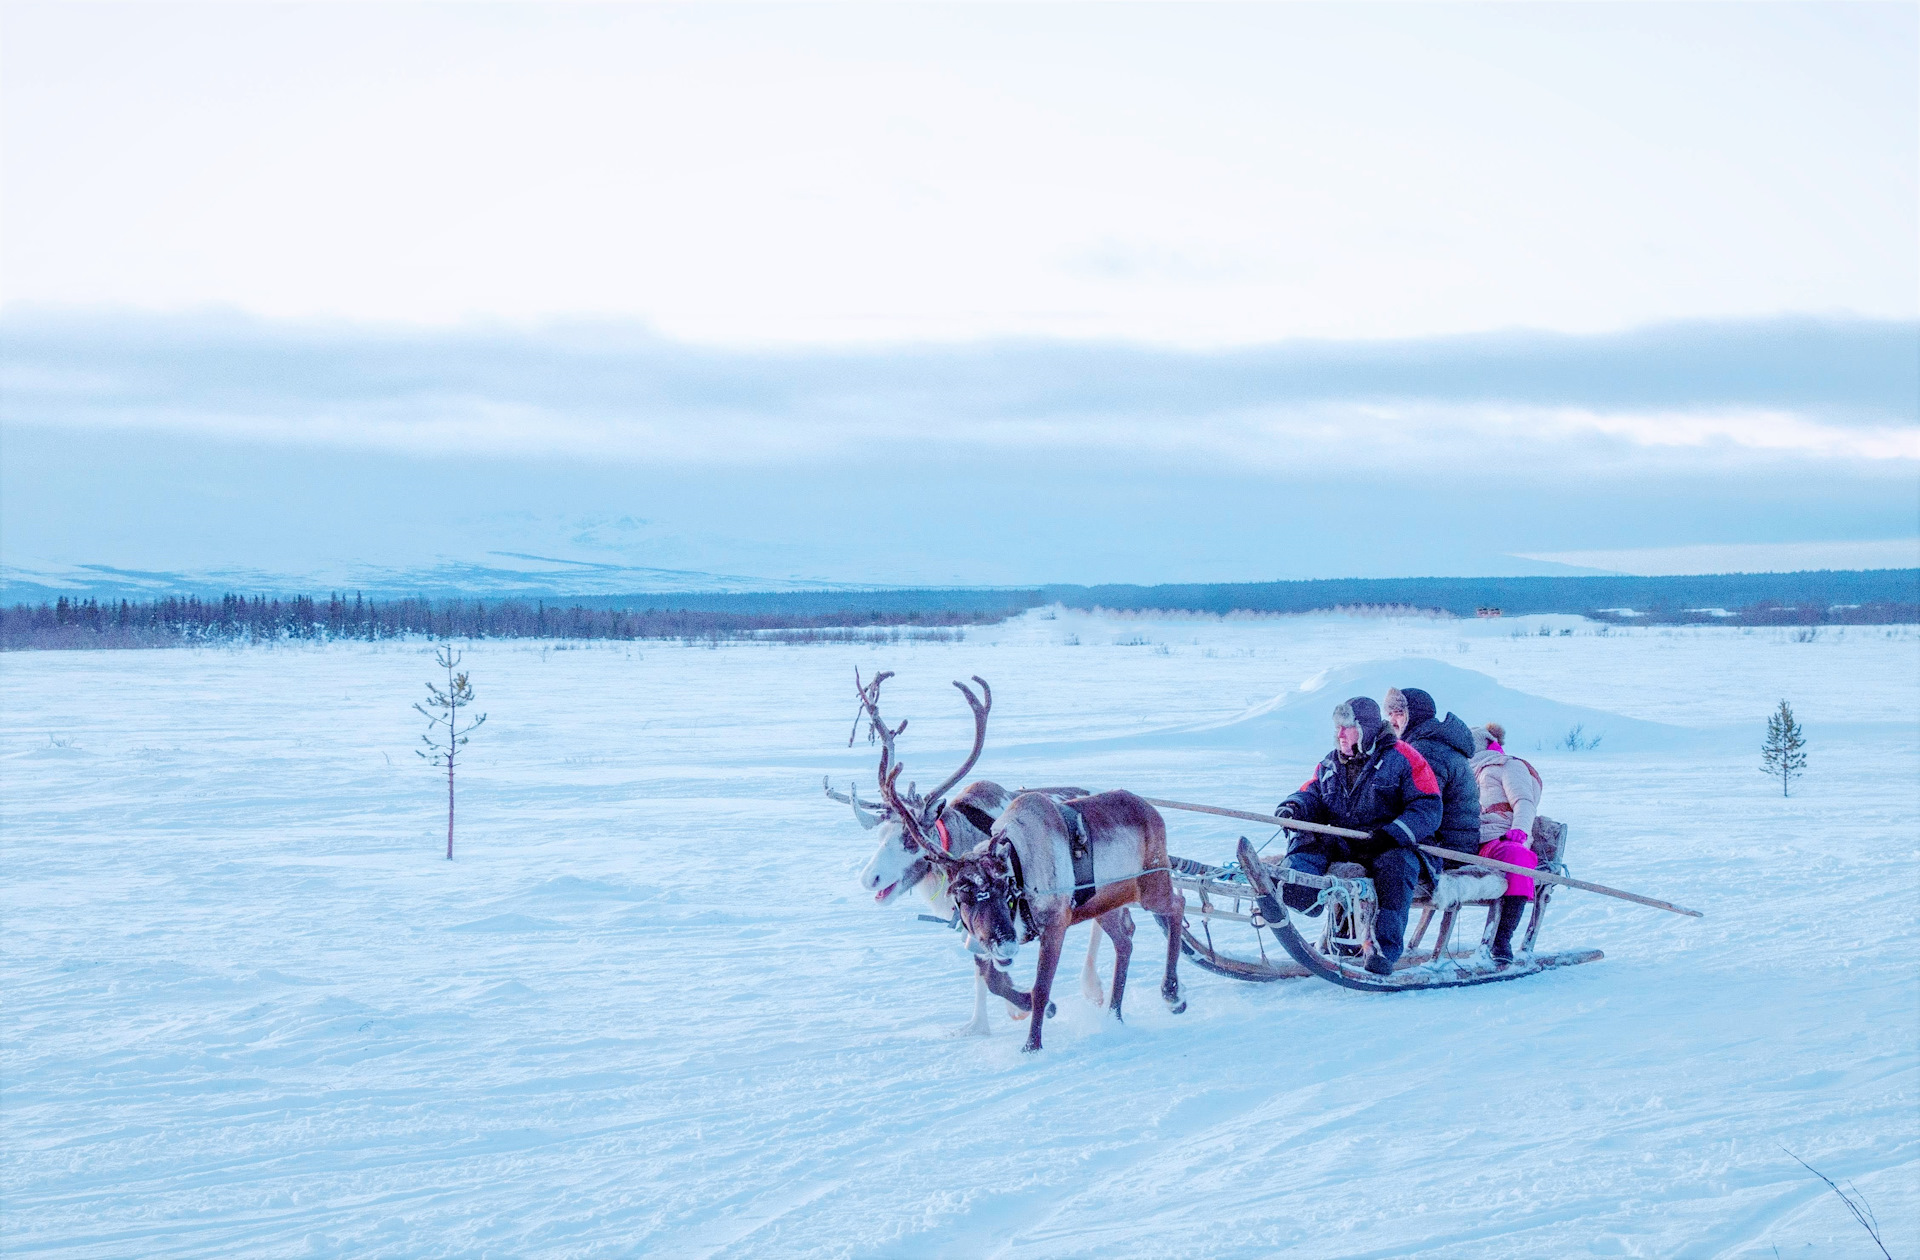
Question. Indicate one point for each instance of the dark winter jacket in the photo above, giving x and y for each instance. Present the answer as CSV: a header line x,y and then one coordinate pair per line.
x,y
1394,792
1448,749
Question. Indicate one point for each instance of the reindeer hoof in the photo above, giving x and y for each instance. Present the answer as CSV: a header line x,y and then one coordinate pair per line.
x,y
1178,1006
1052,1010
1030,1048
1016,1014
970,1030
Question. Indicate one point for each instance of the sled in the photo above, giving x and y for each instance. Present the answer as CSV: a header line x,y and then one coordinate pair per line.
x,y
1237,926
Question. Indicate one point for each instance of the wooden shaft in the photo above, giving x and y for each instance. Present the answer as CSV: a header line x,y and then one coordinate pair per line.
x,y
1452,855
1291,824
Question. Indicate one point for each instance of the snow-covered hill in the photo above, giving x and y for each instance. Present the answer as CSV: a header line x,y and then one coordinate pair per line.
x,y
500,574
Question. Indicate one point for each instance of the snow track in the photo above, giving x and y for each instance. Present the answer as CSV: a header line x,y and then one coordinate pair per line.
x,y
249,1011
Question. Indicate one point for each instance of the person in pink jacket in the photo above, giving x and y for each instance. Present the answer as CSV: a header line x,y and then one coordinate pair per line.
x,y
1509,800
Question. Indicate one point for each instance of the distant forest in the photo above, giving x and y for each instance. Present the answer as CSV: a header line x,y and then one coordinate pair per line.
x,y
1862,596
1873,597
176,622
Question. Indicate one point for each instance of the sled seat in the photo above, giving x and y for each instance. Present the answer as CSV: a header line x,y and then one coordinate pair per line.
x,y
1469,886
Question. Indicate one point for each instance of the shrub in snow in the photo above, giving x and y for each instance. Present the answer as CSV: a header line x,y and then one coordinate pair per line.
x,y
1577,740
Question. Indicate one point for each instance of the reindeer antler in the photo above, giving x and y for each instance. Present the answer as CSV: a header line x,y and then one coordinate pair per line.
x,y
980,712
890,769
870,710
849,797
867,815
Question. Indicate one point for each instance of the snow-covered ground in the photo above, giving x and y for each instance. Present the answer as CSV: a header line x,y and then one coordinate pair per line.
x,y
249,1009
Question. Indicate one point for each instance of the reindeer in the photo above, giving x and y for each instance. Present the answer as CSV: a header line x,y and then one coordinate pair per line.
x,y
1031,862
964,824
1027,869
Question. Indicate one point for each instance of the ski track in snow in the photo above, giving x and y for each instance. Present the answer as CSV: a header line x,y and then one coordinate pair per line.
x,y
250,1010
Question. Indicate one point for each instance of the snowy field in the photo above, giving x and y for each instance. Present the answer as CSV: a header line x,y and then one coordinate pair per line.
x,y
250,1010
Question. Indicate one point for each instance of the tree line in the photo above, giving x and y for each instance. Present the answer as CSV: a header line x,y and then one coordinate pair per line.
x,y
178,621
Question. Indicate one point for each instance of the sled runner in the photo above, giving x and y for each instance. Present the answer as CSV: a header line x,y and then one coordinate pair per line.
x,y
1235,919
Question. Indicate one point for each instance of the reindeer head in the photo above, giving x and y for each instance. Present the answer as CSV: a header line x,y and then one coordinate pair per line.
x,y
911,847
982,890
897,865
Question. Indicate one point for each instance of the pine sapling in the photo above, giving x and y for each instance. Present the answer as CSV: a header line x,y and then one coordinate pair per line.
x,y
1783,756
445,737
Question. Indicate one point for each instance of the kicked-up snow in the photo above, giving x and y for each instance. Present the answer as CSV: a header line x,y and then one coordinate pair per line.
x,y
250,1010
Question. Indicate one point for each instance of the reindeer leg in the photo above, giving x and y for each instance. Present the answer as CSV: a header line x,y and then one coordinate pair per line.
x,y
997,980
978,1025
1118,924
1170,908
1090,974
1052,935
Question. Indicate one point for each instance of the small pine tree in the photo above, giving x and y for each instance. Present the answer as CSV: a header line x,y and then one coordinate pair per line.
x,y
1781,757
451,736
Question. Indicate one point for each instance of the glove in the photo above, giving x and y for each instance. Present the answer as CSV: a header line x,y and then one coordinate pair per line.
x,y
1517,836
1387,839
1286,809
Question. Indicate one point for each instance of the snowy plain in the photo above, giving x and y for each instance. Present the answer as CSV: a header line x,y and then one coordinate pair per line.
x,y
249,1009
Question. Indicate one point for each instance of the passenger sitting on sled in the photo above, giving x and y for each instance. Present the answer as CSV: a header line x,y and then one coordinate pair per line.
x,y
1448,747
1370,782
1509,800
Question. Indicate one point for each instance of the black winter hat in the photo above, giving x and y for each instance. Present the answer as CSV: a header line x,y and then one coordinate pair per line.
x,y
1420,706
1361,711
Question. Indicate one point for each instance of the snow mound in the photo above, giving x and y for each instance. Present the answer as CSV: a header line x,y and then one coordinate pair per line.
x,y
569,888
508,923
1299,720
1532,722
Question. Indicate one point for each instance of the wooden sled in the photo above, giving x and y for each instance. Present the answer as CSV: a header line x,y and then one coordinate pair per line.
x,y
1229,922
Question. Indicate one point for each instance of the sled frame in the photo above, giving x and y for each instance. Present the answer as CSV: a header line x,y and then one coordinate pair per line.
x,y
1336,946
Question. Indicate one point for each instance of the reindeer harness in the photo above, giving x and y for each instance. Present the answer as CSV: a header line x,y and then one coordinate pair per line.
x,y
1083,885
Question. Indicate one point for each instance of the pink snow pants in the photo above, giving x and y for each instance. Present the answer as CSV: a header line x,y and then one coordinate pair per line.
x,y
1512,851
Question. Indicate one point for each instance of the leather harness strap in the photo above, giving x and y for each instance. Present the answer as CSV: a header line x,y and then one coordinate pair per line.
x,y
980,818
1082,854
1019,893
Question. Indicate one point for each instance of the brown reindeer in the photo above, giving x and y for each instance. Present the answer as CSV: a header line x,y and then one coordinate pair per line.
x,y
1027,870
1126,848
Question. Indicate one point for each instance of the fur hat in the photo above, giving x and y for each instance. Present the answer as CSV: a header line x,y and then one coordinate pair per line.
x,y
1362,712
1420,706
1492,732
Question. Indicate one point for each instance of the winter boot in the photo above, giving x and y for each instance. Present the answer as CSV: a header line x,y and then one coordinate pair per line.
x,y
1511,908
1379,965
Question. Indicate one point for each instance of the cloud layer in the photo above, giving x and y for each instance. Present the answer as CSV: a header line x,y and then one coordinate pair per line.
x,y
1835,390
164,442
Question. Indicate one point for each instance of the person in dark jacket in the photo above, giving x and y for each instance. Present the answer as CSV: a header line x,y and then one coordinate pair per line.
x,y
1448,747
1370,782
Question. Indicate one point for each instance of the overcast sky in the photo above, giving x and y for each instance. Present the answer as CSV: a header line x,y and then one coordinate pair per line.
x,y
1565,258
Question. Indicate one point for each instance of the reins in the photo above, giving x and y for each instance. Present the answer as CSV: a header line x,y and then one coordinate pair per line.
x,y
1099,883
